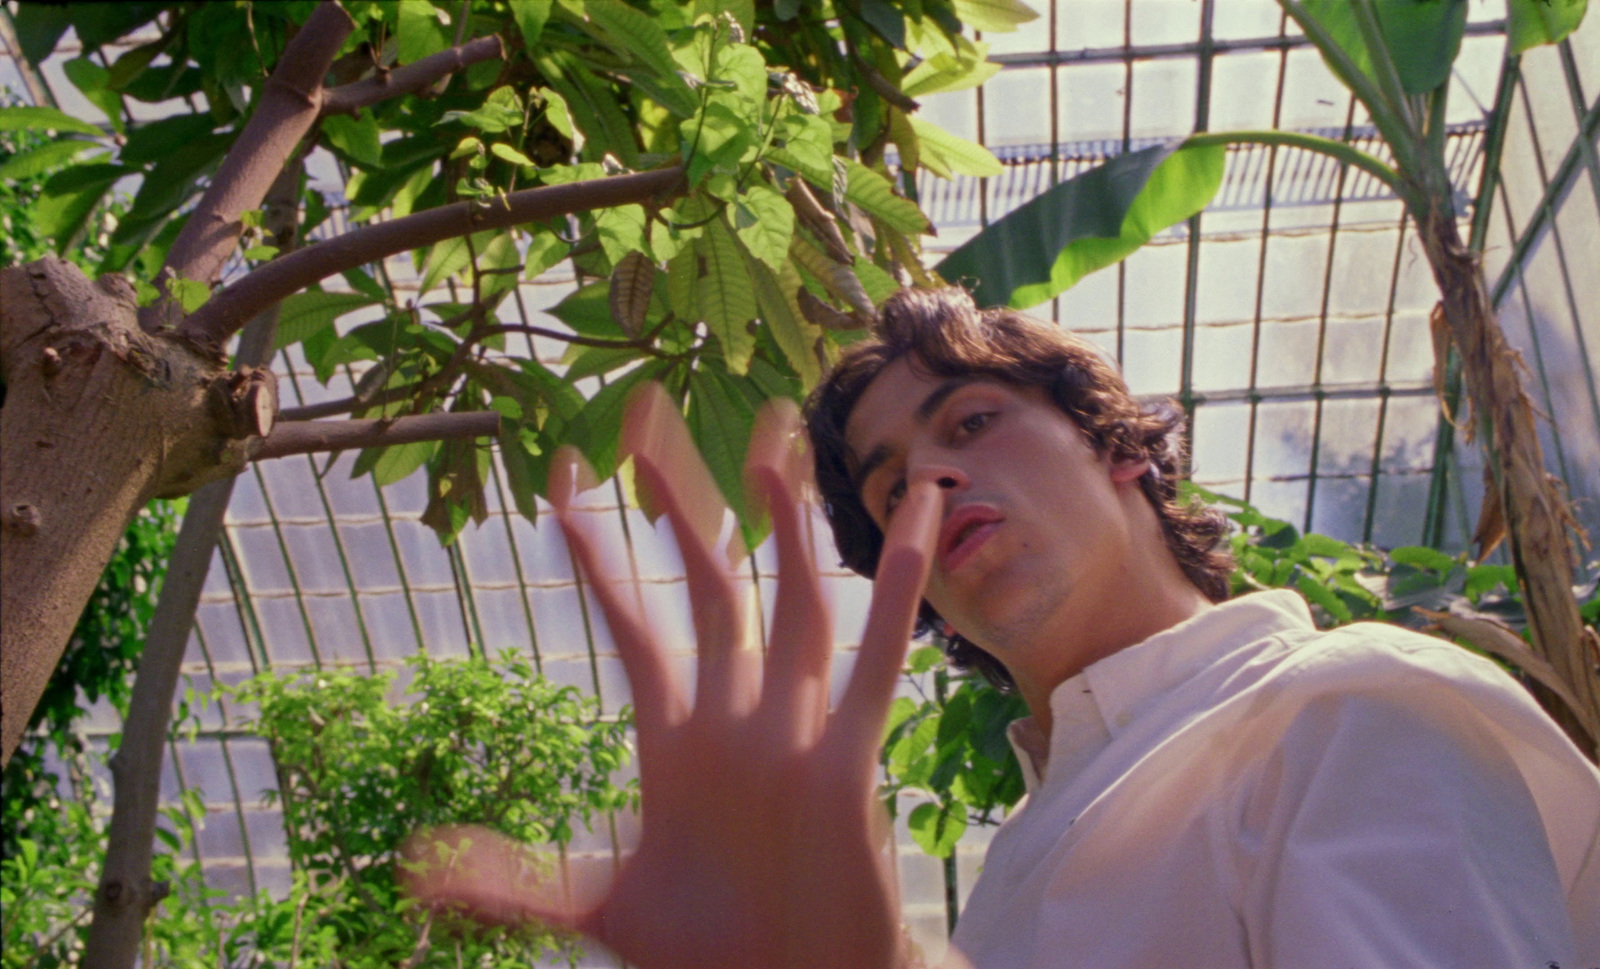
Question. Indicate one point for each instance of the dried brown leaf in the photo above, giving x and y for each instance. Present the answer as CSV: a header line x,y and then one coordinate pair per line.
x,y
632,282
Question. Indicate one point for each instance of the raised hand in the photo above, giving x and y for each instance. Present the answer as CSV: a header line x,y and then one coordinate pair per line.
x,y
762,844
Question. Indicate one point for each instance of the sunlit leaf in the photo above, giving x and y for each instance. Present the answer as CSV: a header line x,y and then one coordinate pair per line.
x,y
959,155
43,119
1085,223
1002,16
44,158
936,831
1531,23
726,297
771,224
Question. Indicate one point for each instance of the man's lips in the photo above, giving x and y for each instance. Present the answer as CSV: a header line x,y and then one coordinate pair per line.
x,y
967,528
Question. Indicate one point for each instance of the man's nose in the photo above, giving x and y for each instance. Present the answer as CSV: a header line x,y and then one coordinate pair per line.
x,y
948,477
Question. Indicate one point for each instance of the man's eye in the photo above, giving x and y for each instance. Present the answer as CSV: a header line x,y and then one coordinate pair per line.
x,y
975,422
893,497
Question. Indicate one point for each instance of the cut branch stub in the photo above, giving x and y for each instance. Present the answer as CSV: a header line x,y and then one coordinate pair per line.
x,y
311,437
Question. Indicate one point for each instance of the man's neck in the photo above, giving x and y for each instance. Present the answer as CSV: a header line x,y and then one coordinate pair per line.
x,y
1134,625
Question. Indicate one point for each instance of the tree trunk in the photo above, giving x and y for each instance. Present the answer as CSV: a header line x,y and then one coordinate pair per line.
x,y
98,418
1523,502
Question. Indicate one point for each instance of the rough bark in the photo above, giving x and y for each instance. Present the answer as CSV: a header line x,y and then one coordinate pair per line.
x,y
1524,502
99,417
126,893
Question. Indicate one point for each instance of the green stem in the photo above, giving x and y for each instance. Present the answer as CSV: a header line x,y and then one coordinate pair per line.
x,y
1347,153
1393,127
1382,64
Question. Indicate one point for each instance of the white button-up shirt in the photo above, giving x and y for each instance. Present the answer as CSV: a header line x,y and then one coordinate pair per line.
x,y
1244,790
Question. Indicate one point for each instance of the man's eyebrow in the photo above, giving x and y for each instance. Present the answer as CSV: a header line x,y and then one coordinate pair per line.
x,y
924,413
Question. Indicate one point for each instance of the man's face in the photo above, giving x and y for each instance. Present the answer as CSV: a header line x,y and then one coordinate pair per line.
x,y
1037,526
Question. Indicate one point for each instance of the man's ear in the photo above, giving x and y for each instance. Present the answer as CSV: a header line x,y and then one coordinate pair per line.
x,y
1124,470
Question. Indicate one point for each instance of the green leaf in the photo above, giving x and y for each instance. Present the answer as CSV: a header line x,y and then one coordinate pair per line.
x,y
559,114
622,230
1535,22
1085,223
149,142
958,154
545,249
421,31
356,138
725,294
46,157
68,198
1314,544
92,79
777,296
588,311
936,831
643,38
1324,597
770,224
1002,16
510,154
531,16
967,68
887,21
304,314
446,259
873,193
392,463
1422,36
44,119
722,413
1422,557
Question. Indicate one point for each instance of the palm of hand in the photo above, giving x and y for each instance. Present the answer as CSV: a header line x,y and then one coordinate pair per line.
x,y
762,843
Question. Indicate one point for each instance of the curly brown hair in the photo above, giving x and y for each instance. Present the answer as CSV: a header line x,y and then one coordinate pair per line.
x,y
946,335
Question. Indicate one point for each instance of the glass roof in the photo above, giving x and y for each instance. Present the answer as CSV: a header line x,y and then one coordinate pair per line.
x,y
1290,319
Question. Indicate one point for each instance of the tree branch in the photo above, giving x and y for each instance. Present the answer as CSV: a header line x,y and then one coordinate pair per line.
x,y
310,437
229,307
290,104
412,78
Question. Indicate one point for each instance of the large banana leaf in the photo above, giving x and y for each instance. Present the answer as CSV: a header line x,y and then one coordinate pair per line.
x,y
1085,223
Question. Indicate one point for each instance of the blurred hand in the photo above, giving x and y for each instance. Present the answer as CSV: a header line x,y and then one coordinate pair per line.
x,y
763,845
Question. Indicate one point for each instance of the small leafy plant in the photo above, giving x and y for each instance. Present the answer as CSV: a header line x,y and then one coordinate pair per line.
x,y
476,742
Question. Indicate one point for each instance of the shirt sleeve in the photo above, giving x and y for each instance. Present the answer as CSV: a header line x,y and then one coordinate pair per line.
x,y
1391,831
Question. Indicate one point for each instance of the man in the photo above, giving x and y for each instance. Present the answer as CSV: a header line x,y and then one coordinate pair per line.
x,y
1210,785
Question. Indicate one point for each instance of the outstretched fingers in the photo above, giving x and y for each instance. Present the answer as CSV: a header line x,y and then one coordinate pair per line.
x,y
480,874
908,551
800,648
658,699
673,479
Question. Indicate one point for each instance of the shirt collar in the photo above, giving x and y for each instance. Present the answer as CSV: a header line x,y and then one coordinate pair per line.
x,y
1091,709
